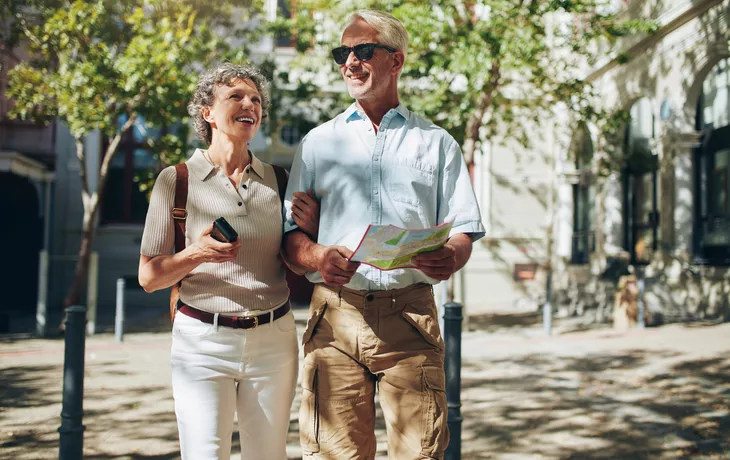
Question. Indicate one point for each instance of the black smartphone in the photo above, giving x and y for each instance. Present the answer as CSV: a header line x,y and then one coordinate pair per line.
x,y
223,232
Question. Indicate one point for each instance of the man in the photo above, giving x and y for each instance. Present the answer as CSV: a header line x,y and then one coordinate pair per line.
x,y
376,163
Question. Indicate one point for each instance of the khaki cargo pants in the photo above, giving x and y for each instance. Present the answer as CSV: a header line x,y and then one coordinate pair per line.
x,y
356,340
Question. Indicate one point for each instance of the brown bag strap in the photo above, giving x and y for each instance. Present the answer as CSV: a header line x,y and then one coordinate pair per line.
x,y
282,177
179,213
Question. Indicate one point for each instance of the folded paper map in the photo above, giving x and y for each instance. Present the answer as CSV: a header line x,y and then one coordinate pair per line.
x,y
387,247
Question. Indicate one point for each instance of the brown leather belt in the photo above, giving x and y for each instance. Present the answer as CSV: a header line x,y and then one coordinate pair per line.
x,y
236,322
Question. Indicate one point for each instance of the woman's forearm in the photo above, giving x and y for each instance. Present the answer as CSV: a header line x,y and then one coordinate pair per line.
x,y
161,272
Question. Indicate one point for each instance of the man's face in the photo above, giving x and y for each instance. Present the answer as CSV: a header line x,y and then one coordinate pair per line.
x,y
366,79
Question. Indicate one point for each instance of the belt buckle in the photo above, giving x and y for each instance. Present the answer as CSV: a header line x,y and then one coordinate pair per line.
x,y
242,319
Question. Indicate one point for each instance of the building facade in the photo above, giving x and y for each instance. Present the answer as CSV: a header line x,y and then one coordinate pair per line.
x,y
665,212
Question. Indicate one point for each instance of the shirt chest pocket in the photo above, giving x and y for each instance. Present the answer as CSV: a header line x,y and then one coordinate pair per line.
x,y
412,187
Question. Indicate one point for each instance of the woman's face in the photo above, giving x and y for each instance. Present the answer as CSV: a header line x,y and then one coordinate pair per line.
x,y
236,111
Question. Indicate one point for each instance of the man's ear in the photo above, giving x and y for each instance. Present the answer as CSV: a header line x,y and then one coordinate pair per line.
x,y
399,60
205,112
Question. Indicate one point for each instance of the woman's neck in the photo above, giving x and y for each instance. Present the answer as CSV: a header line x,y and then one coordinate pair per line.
x,y
230,157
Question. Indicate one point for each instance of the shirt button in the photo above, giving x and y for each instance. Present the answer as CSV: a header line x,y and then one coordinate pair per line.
x,y
240,203
244,186
376,192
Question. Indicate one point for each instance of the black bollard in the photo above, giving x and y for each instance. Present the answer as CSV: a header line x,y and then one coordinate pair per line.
x,y
452,340
71,430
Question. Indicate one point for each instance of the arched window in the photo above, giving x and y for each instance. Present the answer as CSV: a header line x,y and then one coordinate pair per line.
x,y
641,217
712,169
584,216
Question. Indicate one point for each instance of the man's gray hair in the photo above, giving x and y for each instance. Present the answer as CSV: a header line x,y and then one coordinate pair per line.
x,y
390,30
224,73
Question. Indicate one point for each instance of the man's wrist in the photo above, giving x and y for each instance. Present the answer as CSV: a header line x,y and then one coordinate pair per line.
x,y
319,254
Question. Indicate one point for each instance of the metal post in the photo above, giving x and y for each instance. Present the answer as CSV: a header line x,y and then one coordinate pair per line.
x,y
641,323
452,364
547,308
44,261
41,311
91,291
72,431
119,318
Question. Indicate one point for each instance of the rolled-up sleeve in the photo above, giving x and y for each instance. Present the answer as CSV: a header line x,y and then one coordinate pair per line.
x,y
301,179
456,200
158,237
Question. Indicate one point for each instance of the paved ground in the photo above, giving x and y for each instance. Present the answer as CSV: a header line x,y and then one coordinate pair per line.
x,y
657,393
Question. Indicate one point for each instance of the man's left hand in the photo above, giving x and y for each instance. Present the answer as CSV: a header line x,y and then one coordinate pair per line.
x,y
305,212
439,264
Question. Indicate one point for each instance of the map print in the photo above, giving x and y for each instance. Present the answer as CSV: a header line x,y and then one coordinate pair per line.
x,y
388,247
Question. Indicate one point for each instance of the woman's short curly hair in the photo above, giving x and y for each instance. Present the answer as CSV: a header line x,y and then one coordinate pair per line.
x,y
224,73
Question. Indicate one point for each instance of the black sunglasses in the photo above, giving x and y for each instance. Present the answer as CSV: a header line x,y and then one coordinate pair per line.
x,y
363,52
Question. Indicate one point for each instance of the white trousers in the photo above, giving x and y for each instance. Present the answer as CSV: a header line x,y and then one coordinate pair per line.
x,y
217,370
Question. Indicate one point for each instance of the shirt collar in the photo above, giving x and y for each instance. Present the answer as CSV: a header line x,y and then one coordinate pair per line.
x,y
256,165
353,112
201,167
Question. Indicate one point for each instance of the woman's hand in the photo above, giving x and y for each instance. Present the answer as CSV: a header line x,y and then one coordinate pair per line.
x,y
160,272
208,249
305,211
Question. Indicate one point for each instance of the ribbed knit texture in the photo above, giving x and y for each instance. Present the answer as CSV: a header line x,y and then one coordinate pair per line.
x,y
255,280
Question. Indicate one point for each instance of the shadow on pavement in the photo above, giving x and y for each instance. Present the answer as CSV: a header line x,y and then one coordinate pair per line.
x,y
596,406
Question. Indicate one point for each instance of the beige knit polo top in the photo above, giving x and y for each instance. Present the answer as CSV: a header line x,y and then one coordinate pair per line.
x,y
255,280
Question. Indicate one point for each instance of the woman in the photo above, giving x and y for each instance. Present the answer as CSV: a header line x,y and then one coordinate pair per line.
x,y
234,344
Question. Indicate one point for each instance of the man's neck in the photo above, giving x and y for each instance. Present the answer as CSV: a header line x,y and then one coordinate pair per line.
x,y
376,109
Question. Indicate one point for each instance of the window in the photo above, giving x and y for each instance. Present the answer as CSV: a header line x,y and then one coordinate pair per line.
x,y
641,215
290,135
712,169
584,216
284,12
123,201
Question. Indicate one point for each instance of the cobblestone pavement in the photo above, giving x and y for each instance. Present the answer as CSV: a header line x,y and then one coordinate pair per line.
x,y
655,393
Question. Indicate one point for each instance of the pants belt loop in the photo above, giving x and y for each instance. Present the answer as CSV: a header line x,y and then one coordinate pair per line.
x,y
215,321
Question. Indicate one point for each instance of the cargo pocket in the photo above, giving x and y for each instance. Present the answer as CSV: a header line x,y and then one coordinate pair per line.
x,y
309,411
423,318
435,429
314,318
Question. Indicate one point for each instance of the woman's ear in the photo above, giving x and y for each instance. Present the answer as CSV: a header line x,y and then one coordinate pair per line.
x,y
205,112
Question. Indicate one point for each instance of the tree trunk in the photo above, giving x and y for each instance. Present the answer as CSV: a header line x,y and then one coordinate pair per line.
x,y
82,265
92,206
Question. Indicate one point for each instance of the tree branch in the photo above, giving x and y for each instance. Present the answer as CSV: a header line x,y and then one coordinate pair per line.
x,y
112,149
82,165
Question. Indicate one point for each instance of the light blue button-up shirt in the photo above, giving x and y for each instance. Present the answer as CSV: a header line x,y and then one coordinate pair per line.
x,y
410,174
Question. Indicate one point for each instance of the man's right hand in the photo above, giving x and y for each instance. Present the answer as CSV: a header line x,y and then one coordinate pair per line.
x,y
336,270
